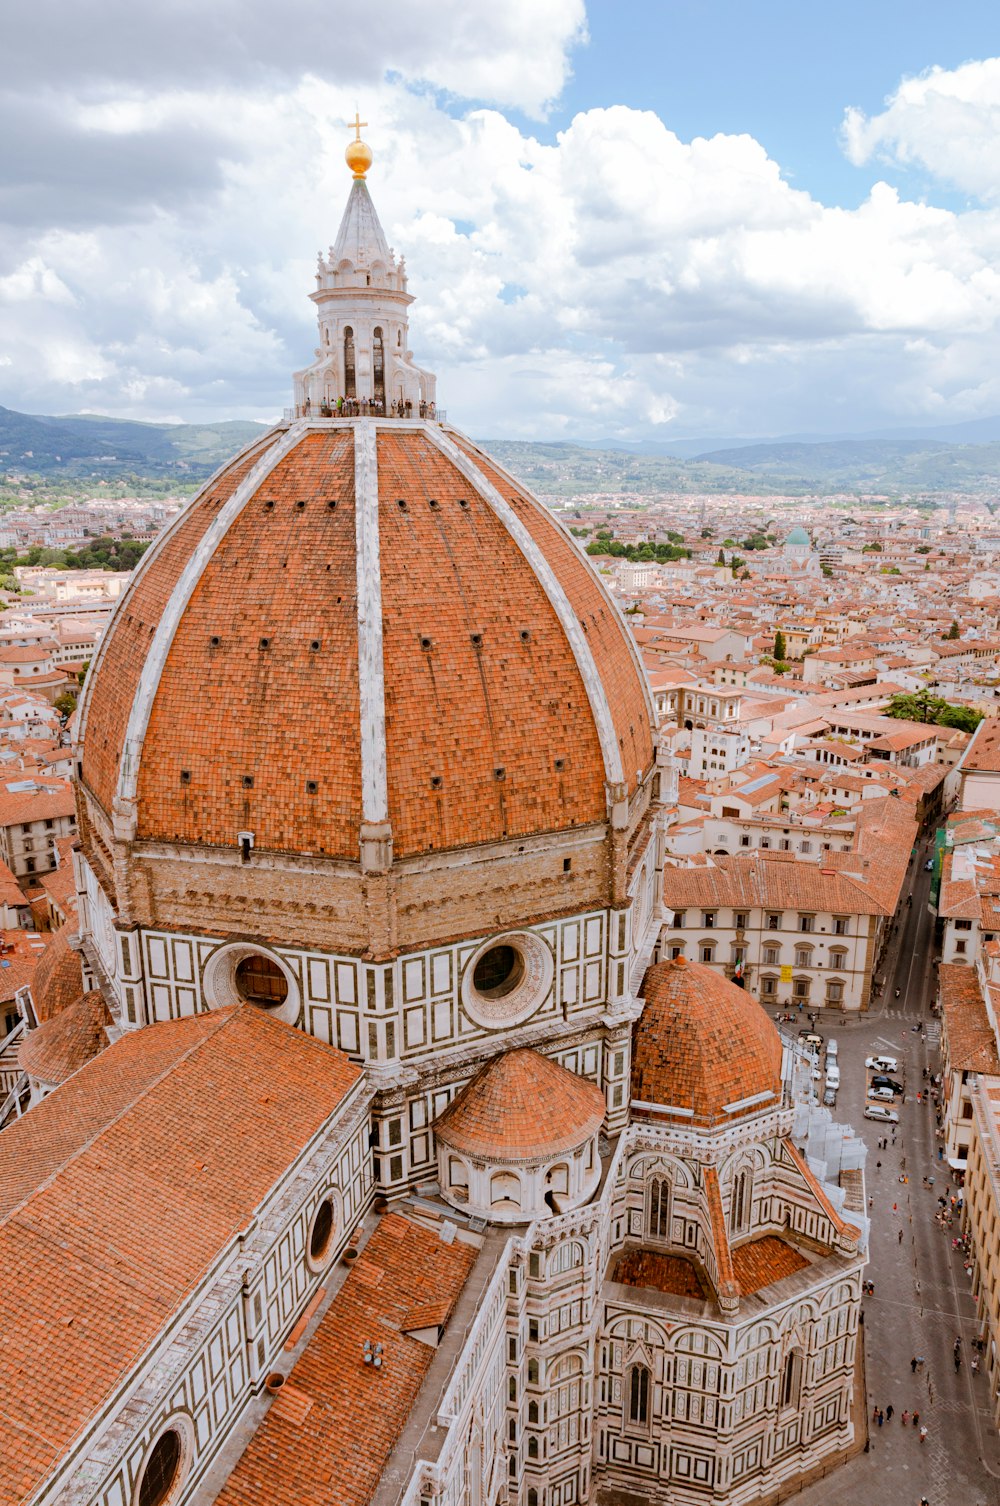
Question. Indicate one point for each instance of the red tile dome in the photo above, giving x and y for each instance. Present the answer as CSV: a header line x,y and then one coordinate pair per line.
x,y
703,1047
386,628
522,1106
67,1041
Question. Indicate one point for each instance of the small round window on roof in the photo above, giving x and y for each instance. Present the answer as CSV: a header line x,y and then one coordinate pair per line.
x,y
498,972
261,981
162,1470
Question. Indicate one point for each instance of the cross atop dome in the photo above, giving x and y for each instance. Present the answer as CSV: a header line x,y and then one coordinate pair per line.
x,y
363,362
358,155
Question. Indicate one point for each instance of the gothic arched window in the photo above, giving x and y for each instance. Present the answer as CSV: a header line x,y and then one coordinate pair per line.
x,y
378,365
350,389
637,1390
739,1207
791,1379
658,1223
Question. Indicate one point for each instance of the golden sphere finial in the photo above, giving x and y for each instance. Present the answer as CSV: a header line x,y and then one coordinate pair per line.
x,y
358,155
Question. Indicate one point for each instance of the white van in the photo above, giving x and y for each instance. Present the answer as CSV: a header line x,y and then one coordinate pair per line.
x,y
832,1050
832,1075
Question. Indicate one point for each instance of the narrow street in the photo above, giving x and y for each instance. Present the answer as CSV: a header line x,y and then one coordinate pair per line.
x,y
921,1302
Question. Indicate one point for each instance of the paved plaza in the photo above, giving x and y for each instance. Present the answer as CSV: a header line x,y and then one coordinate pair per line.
x,y
921,1301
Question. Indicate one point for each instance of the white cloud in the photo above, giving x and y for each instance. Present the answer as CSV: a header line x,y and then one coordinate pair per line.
x,y
946,122
514,54
618,280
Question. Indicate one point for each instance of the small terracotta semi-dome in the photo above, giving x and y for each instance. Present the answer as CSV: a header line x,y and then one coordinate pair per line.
x,y
703,1047
67,1042
522,1106
58,977
393,584
520,1140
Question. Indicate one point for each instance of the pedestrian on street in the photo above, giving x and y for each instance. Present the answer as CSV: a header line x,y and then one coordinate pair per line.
x,y
871,1202
923,1434
916,1418
881,1418
905,1417
913,1365
888,1413
875,1413
900,1240
878,1165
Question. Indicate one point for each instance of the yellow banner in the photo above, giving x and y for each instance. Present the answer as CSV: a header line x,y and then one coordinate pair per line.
x,y
786,974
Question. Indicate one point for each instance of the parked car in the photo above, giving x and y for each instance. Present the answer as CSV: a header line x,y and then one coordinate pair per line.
x,y
880,1080
832,1049
881,1113
811,1039
830,1097
881,1064
882,1095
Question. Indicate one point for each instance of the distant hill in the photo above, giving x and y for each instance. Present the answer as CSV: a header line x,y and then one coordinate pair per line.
x,y
893,465
78,448
85,445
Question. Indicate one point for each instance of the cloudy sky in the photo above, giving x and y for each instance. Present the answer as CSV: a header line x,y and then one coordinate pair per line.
x,y
624,218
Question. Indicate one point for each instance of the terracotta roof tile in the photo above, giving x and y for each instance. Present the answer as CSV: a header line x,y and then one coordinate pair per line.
x,y
761,1261
522,1106
126,643
157,1121
972,1045
702,1044
57,978
62,1045
674,1274
334,1452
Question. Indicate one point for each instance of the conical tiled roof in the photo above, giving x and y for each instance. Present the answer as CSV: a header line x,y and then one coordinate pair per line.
x,y
522,1107
703,1046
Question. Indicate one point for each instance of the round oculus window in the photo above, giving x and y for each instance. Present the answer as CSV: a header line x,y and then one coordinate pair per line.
x,y
498,972
240,973
162,1471
260,981
507,980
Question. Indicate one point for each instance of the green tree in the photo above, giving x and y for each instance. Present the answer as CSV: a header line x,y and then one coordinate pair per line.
x,y
953,632
65,704
735,563
933,710
720,558
780,648
875,548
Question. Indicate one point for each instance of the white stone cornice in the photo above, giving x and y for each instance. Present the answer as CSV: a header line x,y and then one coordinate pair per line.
x,y
371,669
124,814
553,588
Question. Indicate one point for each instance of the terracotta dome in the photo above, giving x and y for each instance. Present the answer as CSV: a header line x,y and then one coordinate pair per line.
x,y
58,978
391,631
703,1047
522,1107
67,1042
